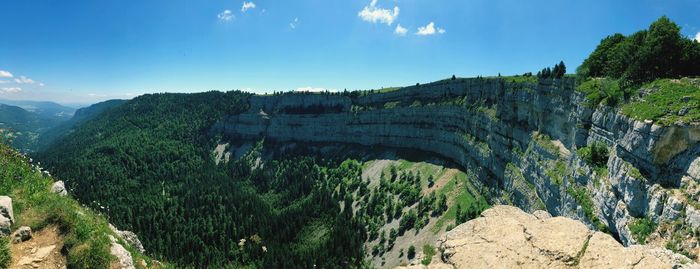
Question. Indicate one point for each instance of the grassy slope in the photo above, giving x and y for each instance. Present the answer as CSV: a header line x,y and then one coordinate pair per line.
x,y
660,100
667,98
85,231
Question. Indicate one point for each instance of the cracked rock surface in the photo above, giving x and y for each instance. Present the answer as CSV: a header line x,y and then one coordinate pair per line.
x,y
507,237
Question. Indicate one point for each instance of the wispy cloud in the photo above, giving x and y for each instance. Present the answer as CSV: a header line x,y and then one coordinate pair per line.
x,y
294,24
225,15
401,31
5,74
10,90
430,29
247,6
374,14
24,80
697,37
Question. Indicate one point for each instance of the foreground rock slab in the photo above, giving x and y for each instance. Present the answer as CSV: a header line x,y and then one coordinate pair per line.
x,y
507,237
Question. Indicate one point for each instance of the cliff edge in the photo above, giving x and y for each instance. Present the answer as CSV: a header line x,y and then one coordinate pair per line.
x,y
507,237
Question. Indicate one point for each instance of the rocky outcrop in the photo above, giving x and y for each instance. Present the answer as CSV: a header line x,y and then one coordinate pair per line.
x,y
519,138
124,260
6,215
507,237
60,188
129,237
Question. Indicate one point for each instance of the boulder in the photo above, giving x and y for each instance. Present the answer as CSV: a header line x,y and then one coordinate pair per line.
x,y
6,215
60,188
541,214
22,234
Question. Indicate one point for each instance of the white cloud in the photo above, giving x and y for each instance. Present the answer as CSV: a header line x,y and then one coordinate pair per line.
x,y
5,74
697,37
24,80
314,89
294,24
4,81
430,29
10,90
225,15
374,14
247,6
400,30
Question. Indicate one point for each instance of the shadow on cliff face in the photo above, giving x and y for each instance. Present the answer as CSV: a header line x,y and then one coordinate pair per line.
x,y
338,152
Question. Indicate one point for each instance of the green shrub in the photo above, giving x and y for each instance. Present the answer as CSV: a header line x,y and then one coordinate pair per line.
x,y
411,252
605,91
641,229
596,154
428,253
5,257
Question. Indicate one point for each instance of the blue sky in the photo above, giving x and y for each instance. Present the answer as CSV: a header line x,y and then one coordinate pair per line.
x,y
84,51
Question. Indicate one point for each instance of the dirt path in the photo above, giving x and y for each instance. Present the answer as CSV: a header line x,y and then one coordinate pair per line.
x,y
42,251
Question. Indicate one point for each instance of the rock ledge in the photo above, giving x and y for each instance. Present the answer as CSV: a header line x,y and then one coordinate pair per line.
x,y
507,237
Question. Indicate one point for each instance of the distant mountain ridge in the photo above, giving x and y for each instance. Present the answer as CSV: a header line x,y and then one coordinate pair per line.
x,y
43,108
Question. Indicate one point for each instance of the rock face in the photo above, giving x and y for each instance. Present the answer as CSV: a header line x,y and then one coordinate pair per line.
x,y
60,188
521,139
123,256
507,237
130,237
6,215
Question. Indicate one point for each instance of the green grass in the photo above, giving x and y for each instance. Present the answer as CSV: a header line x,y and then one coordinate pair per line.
x,y
641,229
84,231
521,79
428,253
390,105
545,142
5,258
464,199
557,172
666,100
490,112
605,91
581,196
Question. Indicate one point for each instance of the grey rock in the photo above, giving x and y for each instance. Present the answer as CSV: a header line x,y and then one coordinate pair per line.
x,y
692,217
622,220
656,201
130,237
22,234
60,188
125,261
6,215
672,209
683,111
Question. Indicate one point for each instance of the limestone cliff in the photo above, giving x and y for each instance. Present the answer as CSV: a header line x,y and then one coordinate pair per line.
x,y
519,138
